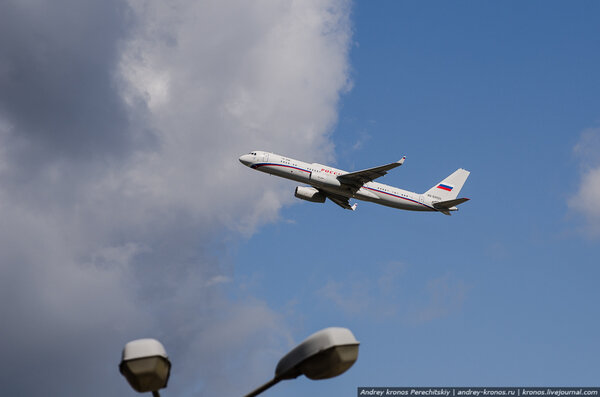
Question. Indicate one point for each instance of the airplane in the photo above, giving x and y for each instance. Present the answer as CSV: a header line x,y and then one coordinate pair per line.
x,y
340,186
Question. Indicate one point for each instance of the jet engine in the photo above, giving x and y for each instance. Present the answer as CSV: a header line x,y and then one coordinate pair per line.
x,y
309,194
324,179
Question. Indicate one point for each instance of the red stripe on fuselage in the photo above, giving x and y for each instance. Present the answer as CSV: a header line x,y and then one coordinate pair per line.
x,y
400,197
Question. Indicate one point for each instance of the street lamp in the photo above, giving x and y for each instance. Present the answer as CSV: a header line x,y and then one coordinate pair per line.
x,y
324,354
145,365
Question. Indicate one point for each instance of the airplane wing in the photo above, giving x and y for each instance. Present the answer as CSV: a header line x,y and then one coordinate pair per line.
x,y
359,178
340,200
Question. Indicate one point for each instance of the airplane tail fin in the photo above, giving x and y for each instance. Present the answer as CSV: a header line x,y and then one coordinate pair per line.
x,y
449,188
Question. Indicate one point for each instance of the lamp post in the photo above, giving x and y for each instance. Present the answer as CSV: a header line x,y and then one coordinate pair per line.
x,y
145,365
325,354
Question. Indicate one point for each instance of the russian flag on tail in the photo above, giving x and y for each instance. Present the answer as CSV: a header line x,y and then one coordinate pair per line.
x,y
445,187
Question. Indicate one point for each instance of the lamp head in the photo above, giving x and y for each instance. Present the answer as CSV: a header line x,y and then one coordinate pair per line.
x,y
145,365
325,354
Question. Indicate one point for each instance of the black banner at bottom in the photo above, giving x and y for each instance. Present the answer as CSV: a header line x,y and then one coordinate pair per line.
x,y
480,391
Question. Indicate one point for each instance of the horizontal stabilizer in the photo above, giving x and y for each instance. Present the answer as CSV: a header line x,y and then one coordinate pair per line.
x,y
444,205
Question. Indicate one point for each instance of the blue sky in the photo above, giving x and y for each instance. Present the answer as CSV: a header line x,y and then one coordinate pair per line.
x,y
503,293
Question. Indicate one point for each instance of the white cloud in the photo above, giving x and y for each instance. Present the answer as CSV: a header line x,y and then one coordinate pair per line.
x,y
586,200
117,195
383,293
588,196
363,138
352,297
240,78
445,296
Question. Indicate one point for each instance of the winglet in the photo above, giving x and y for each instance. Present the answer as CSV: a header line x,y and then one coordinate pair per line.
x,y
353,208
402,160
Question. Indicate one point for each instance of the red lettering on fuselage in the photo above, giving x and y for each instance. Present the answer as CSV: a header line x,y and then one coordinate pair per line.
x,y
329,171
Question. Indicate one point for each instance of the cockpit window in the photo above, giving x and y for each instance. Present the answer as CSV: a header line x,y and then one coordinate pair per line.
x,y
253,153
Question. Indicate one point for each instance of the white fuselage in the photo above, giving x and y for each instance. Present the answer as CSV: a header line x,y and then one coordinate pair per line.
x,y
309,173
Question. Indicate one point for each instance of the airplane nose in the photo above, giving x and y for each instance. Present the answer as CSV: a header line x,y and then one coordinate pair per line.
x,y
245,159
